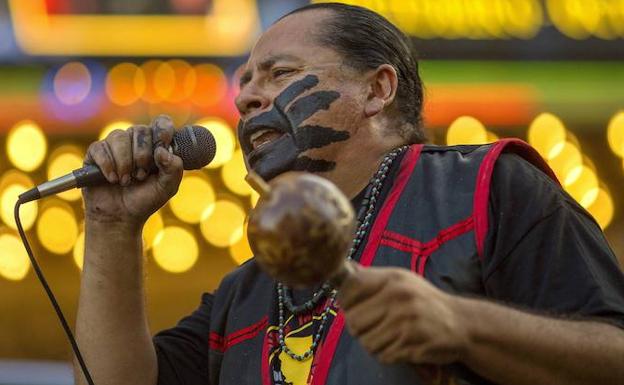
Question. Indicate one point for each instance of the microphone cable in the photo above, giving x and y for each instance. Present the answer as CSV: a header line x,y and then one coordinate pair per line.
x,y
48,291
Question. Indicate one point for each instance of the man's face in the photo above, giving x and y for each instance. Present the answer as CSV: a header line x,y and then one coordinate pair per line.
x,y
299,104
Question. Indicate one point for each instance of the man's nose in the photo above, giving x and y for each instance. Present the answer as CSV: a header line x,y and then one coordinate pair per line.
x,y
251,100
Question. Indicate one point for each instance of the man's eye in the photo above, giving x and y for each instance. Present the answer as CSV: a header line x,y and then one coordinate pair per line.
x,y
281,71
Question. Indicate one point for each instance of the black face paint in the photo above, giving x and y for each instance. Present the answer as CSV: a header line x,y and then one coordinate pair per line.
x,y
284,153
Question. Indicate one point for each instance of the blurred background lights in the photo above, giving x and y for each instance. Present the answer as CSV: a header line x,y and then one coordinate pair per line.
x,y
12,184
175,249
466,130
64,160
602,207
57,228
240,251
26,146
194,196
210,85
222,225
579,181
152,227
78,253
233,174
545,133
125,84
615,134
159,80
564,158
72,83
185,81
14,262
224,137
116,125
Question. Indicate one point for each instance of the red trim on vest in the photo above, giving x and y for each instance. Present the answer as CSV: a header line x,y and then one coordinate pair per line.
x,y
326,353
265,365
482,190
222,344
424,250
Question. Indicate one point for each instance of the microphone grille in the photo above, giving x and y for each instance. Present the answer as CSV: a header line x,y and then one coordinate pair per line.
x,y
195,145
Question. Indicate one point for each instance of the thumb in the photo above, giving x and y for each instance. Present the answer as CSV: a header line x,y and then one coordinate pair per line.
x,y
169,170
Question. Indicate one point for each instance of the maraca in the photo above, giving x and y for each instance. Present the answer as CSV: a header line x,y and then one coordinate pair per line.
x,y
301,228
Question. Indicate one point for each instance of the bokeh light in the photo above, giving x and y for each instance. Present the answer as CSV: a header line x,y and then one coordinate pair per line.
x,y
240,251
579,181
222,225
64,160
210,86
125,84
615,134
116,125
152,227
57,228
466,130
233,174
159,81
14,262
185,81
175,249
72,83
545,133
564,159
78,252
12,184
602,208
194,196
253,198
224,137
26,146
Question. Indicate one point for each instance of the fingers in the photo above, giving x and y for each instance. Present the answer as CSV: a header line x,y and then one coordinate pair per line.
x,y
99,154
142,151
162,131
120,145
169,171
360,285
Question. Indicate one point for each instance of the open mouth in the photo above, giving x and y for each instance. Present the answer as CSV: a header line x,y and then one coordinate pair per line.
x,y
263,137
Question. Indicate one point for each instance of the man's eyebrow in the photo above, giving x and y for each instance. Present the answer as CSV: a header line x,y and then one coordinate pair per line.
x,y
266,65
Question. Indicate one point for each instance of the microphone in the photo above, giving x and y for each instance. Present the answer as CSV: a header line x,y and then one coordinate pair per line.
x,y
194,144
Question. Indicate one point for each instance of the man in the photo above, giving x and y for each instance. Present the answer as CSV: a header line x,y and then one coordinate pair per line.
x,y
519,284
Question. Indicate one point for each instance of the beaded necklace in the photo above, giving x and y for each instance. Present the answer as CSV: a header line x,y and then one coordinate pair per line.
x,y
364,216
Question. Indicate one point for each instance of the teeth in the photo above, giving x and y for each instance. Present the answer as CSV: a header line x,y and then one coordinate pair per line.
x,y
258,134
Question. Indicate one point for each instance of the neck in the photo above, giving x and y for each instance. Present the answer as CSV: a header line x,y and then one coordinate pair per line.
x,y
356,167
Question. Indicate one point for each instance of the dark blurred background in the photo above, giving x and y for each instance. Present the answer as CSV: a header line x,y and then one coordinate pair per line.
x,y
548,71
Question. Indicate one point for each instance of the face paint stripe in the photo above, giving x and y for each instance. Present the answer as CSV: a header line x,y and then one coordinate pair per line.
x,y
308,105
294,90
308,137
304,163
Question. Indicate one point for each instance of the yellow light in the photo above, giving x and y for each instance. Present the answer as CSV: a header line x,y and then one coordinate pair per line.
x,y
589,198
222,225
580,181
565,160
253,198
72,83
233,174
14,262
151,228
615,134
224,137
194,196
117,125
79,250
466,130
545,133
240,251
491,137
602,209
12,184
175,249
62,161
26,146
57,229
125,84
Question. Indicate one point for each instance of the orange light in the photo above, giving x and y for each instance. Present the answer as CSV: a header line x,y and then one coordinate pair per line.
x,y
185,81
159,80
210,87
125,84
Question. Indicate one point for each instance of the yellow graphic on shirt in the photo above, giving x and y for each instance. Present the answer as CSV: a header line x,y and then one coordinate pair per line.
x,y
296,372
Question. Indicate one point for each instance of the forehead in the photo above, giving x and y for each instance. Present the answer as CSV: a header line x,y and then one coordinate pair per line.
x,y
293,38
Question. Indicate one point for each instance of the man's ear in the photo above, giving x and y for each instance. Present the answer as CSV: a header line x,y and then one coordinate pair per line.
x,y
383,83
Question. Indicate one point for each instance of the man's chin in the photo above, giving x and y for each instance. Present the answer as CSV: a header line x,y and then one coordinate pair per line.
x,y
274,158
